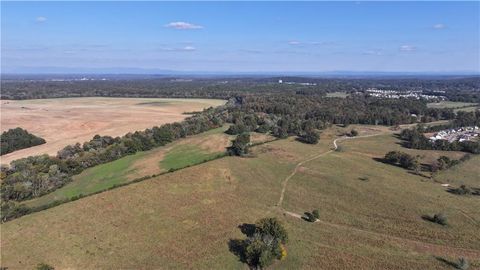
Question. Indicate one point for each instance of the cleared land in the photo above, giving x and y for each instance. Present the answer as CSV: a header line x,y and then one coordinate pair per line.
x,y
337,94
370,214
457,106
70,120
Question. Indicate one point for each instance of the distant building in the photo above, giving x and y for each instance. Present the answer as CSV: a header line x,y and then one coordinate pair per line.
x,y
280,81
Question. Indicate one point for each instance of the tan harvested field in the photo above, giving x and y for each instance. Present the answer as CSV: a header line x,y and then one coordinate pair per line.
x,y
70,120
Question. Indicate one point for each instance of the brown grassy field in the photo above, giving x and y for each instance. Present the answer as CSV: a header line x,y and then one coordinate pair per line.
x,y
185,220
70,120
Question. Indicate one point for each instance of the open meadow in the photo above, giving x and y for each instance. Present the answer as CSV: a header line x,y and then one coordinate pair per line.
x,y
370,212
456,106
65,121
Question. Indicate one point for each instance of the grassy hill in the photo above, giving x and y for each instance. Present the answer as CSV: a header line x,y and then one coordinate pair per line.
x,y
370,213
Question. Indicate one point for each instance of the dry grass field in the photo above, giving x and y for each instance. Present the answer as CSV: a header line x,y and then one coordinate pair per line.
x,y
67,121
456,106
370,214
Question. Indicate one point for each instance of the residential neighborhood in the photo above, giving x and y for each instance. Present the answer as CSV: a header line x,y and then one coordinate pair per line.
x,y
459,134
395,94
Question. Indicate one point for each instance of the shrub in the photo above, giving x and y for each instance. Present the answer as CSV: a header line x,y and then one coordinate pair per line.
x,y
464,190
462,264
353,133
440,219
44,266
316,214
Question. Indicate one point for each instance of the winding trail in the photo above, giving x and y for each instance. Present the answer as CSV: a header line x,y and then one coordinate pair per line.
x,y
417,245
335,147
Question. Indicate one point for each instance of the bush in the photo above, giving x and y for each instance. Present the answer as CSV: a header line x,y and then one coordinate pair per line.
x,y
462,264
438,218
316,214
44,266
353,133
464,190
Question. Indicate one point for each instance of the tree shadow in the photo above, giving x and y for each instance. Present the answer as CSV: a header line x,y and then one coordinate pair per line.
x,y
237,247
401,141
447,262
418,174
247,229
428,218
384,161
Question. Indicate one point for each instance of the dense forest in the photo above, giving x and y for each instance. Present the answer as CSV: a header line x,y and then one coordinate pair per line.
x,y
16,139
456,88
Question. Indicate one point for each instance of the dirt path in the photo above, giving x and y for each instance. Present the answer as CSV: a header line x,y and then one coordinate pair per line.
x,y
335,147
414,244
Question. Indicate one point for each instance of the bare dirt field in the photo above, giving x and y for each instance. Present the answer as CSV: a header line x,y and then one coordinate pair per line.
x,y
70,120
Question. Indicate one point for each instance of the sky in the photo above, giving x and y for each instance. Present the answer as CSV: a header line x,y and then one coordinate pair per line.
x,y
240,36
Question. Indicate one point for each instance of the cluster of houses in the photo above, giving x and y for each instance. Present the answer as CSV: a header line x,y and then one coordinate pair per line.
x,y
394,94
298,83
459,134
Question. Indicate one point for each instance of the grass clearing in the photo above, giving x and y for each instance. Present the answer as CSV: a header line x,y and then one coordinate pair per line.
x,y
337,94
185,155
184,220
457,106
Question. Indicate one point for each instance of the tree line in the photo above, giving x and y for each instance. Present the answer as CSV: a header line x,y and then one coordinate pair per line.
x,y
464,89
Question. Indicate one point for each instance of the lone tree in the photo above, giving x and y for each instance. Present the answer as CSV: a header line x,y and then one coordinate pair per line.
x,y
240,146
266,244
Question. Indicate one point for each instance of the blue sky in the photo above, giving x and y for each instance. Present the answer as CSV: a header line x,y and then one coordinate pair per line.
x,y
242,36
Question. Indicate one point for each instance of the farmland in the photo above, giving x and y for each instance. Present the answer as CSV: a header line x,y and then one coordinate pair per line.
x,y
370,212
70,120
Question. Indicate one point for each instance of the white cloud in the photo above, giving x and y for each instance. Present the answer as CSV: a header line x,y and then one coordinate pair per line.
x,y
294,42
439,26
407,48
373,52
189,48
183,25
41,19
